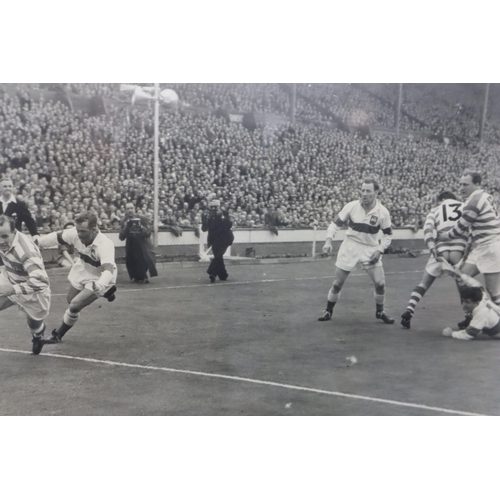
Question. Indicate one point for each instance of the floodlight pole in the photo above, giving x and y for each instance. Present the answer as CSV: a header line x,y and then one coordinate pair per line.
x,y
398,112
156,166
485,109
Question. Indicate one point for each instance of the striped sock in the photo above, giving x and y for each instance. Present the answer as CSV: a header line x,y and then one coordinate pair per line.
x,y
415,297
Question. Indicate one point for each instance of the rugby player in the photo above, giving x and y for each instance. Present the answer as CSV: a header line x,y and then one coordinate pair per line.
x,y
441,218
476,303
93,274
366,218
480,220
24,281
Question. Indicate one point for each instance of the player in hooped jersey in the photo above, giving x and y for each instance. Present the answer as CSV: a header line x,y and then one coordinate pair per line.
x,y
366,218
93,275
481,222
440,219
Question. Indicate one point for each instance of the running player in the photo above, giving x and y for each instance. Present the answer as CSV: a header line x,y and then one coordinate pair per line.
x,y
366,218
441,218
24,281
93,275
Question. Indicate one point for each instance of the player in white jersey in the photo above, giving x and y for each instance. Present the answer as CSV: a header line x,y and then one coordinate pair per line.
x,y
93,275
24,281
481,222
476,303
366,218
440,219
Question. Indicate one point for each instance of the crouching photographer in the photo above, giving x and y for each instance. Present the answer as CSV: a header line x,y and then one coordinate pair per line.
x,y
139,255
220,237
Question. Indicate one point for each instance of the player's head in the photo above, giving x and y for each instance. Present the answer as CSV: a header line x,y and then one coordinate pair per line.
x,y
469,182
445,195
470,298
129,209
7,232
6,187
86,227
369,190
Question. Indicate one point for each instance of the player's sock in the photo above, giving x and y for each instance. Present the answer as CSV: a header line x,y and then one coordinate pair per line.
x,y
69,321
332,300
37,331
379,302
415,297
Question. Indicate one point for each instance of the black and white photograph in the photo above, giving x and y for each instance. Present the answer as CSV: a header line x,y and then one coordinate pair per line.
x,y
248,264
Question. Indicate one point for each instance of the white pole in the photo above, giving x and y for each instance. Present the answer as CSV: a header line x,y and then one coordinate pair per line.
x,y
485,108
314,242
156,167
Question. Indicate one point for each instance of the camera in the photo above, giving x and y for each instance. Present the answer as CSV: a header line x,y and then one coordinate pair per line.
x,y
134,226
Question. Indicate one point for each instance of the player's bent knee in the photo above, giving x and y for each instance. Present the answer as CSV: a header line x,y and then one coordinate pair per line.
x,y
380,288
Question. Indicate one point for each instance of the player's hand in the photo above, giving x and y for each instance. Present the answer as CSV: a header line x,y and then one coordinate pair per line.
x,y
36,239
375,257
328,247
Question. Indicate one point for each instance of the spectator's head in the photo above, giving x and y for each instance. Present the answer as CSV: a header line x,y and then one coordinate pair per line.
x,y
129,209
6,188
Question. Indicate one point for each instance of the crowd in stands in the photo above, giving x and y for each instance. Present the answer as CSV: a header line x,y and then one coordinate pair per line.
x,y
65,161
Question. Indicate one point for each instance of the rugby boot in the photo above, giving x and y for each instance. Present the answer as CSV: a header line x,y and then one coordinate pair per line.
x,y
110,294
406,319
212,278
38,342
384,317
55,337
327,316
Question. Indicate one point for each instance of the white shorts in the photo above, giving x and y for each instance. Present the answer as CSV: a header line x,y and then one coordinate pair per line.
x,y
352,253
80,278
434,267
486,257
35,305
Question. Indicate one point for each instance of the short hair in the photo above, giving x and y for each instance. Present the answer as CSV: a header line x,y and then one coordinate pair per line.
x,y
88,217
69,223
6,219
446,195
370,180
476,176
473,293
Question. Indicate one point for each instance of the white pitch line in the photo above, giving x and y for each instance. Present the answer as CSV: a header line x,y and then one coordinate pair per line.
x,y
258,382
230,283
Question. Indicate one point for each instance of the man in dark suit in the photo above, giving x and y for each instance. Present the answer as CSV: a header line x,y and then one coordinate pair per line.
x,y
15,207
220,237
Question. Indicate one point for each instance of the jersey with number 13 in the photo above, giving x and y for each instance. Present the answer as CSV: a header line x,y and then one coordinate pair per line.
x,y
443,218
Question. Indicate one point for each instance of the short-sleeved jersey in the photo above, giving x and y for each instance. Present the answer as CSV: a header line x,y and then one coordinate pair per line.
x,y
24,266
479,217
95,258
364,227
443,218
485,318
